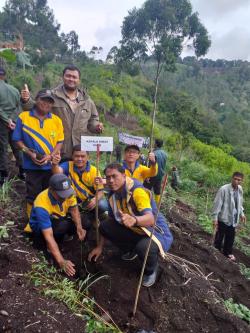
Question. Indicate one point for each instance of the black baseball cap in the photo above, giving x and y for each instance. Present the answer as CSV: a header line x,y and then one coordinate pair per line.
x,y
128,147
2,71
61,184
45,93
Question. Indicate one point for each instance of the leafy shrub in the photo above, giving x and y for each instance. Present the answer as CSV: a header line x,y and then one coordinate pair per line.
x,y
238,310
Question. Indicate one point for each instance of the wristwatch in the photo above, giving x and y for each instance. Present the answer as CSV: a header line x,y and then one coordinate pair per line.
x,y
136,222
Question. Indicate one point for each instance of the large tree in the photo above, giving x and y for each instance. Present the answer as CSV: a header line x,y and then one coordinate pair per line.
x,y
35,21
158,31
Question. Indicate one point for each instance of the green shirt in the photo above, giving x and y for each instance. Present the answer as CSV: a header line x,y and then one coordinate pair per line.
x,y
9,102
161,158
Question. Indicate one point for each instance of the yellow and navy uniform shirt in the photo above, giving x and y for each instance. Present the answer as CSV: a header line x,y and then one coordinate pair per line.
x,y
83,182
138,204
134,199
141,172
40,135
46,207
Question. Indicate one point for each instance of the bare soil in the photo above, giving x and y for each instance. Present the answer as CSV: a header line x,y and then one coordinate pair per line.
x,y
179,302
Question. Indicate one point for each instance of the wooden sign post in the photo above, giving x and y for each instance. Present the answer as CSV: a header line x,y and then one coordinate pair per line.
x,y
97,144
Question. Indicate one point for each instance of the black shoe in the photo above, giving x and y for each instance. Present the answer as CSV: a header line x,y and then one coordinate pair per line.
x,y
3,177
129,256
149,280
21,174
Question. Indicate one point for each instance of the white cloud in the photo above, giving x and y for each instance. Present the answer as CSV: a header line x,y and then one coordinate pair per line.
x,y
99,23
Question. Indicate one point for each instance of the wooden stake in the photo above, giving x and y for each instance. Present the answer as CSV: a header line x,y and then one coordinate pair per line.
x,y
148,248
96,194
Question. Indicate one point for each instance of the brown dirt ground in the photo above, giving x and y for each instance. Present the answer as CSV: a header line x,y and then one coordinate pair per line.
x,y
178,302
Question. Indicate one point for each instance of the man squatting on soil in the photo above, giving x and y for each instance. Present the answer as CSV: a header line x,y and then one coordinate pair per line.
x,y
227,212
83,175
131,219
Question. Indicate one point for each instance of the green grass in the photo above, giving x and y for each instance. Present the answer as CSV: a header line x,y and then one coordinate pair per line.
x,y
74,295
5,192
4,229
245,271
238,310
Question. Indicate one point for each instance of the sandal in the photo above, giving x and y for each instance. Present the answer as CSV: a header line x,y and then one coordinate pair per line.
x,y
231,257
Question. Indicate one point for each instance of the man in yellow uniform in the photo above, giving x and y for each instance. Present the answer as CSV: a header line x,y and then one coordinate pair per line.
x,y
136,170
39,134
48,218
83,176
132,215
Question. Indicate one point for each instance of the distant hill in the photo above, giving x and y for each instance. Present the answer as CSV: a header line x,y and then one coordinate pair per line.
x,y
220,92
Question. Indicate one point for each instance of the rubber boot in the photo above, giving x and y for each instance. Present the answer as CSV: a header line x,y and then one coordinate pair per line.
x,y
28,212
157,198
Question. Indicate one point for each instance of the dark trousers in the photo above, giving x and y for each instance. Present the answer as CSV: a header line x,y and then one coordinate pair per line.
x,y
5,140
227,234
127,240
60,228
154,184
36,182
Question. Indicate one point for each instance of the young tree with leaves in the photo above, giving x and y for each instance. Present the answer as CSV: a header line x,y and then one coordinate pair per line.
x,y
158,31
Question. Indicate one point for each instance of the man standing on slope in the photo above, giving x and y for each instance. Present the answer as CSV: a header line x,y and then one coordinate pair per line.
x,y
10,107
132,166
75,108
161,158
226,214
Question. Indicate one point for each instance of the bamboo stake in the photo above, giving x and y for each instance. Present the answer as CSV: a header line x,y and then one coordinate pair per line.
x,y
96,194
149,244
155,106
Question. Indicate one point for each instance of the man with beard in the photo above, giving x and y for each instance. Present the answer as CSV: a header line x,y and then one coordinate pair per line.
x,y
75,108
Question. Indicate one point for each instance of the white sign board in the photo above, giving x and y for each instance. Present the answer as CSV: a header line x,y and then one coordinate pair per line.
x,y
129,139
89,143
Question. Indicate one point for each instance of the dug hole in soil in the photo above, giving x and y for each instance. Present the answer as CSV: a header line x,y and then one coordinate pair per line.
x,y
178,302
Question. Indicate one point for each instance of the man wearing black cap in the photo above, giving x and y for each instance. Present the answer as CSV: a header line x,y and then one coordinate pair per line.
x,y
9,109
39,134
48,218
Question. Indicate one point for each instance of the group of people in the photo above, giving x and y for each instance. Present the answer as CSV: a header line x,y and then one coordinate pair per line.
x,y
64,189
63,186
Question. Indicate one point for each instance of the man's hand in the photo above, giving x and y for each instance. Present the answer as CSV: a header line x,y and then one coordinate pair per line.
x,y
99,128
56,159
243,219
128,220
45,159
11,124
81,233
92,203
68,267
98,181
25,94
32,155
151,157
215,225
95,253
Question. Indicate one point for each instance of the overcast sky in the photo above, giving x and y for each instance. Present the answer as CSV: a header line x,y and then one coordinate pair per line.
x,y
98,23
